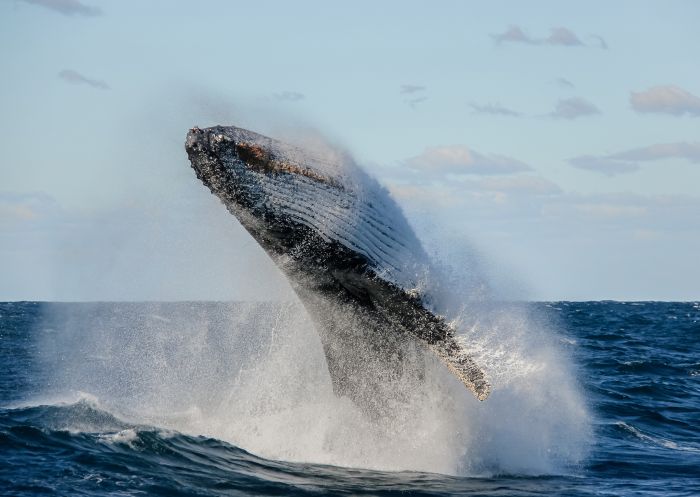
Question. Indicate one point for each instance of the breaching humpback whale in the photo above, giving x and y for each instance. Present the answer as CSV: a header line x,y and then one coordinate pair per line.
x,y
348,252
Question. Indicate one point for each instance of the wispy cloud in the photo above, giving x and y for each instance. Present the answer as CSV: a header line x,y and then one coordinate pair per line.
x,y
633,213
564,83
564,37
666,99
679,150
609,210
459,159
514,34
572,108
627,161
414,94
68,7
75,78
413,102
406,89
600,41
289,96
603,165
558,36
515,185
493,109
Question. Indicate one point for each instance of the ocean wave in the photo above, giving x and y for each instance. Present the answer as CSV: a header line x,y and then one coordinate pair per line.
x,y
104,454
656,440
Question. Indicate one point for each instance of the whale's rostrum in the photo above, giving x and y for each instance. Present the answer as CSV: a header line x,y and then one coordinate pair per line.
x,y
348,253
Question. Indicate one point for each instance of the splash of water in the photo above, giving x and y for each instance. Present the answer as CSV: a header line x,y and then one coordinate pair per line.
x,y
255,375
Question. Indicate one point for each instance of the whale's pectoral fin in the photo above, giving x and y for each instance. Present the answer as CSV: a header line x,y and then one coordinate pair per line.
x,y
458,361
406,313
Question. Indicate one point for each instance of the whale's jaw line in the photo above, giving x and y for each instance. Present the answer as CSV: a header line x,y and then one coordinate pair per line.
x,y
351,267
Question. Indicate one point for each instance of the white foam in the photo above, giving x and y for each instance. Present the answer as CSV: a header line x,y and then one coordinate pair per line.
x,y
655,440
125,437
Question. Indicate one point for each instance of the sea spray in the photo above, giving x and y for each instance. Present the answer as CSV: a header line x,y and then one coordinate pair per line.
x,y
255,375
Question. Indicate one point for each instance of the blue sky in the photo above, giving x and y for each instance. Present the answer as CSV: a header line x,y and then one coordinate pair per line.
x,y
557,139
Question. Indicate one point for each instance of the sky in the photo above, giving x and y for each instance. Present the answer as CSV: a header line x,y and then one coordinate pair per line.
x,y
558,141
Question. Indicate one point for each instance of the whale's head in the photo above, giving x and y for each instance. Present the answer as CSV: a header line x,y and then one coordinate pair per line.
x,y
276,190
242,161
290,197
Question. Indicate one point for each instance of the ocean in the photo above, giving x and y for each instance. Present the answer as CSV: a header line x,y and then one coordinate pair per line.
x,y
232,399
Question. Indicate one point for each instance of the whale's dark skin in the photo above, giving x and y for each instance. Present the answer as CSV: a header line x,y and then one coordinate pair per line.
x,y
374,331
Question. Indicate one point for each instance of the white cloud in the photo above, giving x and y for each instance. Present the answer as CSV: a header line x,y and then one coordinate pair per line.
x,y
67,7
667,99
459,159
572,108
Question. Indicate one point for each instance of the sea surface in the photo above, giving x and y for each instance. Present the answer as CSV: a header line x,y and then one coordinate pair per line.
x,y
73,377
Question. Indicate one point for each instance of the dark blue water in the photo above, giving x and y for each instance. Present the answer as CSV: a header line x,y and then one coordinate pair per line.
x,y
639,367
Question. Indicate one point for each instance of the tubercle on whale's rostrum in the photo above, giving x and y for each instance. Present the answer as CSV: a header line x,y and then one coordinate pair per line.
x,y
333,245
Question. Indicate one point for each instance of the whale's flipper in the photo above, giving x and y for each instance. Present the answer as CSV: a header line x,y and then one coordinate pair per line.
x,y
348,252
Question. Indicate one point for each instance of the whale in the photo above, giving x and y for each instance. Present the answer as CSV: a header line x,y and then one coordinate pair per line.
x,y
349,254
